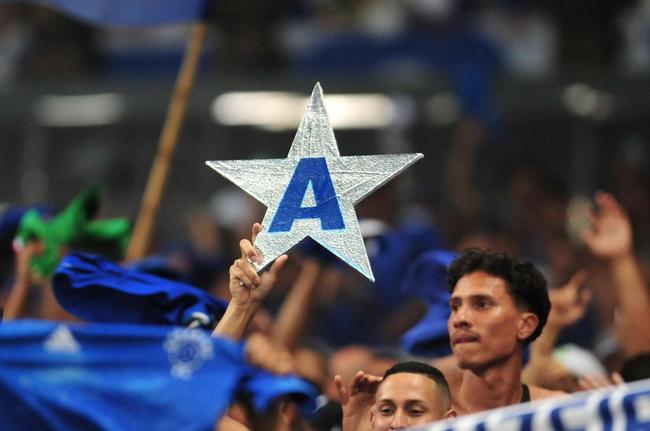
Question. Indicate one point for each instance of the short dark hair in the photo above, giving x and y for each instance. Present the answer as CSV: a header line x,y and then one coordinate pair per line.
x,y
414,367
524,282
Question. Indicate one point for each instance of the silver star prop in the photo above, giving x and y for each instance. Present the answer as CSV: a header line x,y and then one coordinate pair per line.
x,y
313,191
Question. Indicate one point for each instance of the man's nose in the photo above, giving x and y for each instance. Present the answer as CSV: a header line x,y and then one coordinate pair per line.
x,y
400,421
460,317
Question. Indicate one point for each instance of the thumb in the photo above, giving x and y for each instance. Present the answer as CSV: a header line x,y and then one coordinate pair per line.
x,y
617,378
340,388
269,277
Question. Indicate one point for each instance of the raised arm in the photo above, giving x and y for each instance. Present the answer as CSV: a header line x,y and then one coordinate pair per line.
x,y
15,305
247,289
291,320
568,304
610,238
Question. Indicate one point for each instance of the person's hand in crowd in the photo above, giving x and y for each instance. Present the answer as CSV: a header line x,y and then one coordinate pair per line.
x,y
357,399
611,238
23,279
247,289
24,256
263,353
610,235
598,381
569,302
246,286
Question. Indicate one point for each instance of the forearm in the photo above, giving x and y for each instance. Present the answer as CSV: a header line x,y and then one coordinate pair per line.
x,y
291,319
17,298
235,321
633,304
544,345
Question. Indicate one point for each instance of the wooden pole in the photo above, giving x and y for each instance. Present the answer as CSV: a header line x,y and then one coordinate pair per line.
x,y
144,226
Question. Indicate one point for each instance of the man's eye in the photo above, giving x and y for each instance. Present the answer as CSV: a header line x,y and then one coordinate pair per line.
x,y
483,304
385,411
416,412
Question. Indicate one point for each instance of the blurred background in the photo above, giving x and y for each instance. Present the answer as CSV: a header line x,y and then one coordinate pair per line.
x,y
522,109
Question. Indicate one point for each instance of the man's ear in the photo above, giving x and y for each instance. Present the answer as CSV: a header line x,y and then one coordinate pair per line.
x,y
527,325
289,413
451,413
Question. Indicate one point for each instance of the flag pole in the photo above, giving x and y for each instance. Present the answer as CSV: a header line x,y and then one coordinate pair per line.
x,y
144,226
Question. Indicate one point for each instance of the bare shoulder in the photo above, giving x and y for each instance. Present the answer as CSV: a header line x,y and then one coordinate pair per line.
x,y
449,367
226,423
538,393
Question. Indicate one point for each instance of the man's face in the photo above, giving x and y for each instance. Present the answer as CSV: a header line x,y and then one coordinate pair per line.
x,y
404,400
485,325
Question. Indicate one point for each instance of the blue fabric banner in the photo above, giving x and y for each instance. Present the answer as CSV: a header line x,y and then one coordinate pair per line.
x,y
128,12
70,377
114,377
624,407
98,290
263,388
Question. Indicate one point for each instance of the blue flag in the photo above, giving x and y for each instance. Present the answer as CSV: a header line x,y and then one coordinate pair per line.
x,y
426,278
129,12
114,377
55,376
98,290
391,253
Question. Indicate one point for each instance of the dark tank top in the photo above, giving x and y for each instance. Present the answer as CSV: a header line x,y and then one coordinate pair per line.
x,y
525,393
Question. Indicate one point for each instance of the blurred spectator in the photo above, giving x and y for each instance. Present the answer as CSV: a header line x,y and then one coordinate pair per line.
x,y
525,36
634,24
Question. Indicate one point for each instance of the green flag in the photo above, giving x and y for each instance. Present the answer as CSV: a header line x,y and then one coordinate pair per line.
x,y
75,228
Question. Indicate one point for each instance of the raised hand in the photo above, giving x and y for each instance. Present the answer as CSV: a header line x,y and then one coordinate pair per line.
x,y
246,286
357,399
569,303
610,235
23,279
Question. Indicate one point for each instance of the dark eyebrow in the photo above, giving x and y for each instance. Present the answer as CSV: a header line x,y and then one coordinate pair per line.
x,y
473,297
412,401
481,297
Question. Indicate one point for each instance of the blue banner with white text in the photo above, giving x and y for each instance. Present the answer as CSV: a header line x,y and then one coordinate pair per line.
x,y
623,407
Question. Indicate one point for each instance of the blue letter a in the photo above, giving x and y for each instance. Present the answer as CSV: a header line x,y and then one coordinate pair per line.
x,y
309,170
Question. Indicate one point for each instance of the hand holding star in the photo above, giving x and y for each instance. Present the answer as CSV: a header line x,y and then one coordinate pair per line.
x,y
247,288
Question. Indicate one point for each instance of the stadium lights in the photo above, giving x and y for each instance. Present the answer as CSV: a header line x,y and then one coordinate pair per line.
x,y
279,110
79,110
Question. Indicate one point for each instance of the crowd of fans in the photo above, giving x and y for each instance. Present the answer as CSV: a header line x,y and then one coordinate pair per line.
x,y
523,38
573,319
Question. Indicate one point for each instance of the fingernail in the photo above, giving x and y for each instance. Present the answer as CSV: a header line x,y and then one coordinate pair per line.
x,y
257,280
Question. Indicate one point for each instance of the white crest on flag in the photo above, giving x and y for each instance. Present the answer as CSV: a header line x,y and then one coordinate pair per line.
x,y
187,350
61,341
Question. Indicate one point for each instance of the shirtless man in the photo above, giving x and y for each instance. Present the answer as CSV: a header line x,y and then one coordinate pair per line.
x,y
498,305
